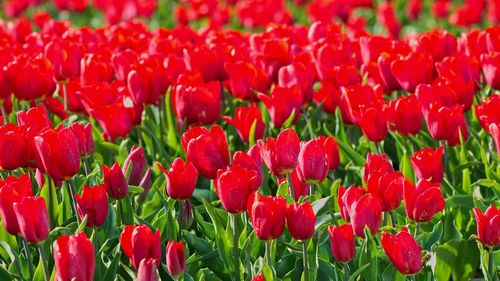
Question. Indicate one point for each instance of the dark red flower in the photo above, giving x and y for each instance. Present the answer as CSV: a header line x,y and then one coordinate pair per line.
x,y
423,201
176,261
243,121
139,242
13,190
181,179
488,226
267,215
282,103
403,251
33,218
74,258
281,154
301,220
342,242
313,165
93,203
116,184
427,164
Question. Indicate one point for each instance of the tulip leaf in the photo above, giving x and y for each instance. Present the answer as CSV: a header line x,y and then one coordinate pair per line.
x,y
13,255
369,255
360,270
458,259
135,190
251,135
406,169
391,273
428,239
352,155
113,266
289,121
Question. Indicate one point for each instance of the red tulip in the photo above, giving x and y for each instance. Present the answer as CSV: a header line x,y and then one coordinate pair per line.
x,y
207,150
342,242
181,179
373,123
116,185
459,66
427,164
281,154
423,201
404,115
495,134
367,211
356,98
35,118
251,161
244,119
33,218
59,153
488,226
372,47
313,165
403,251
84,137
176,261
386,15
139,242
147,271
259,277
146,82
13,190
388,188
487,112
412,70
377,164
437,42
16,149
301,220
490,64
136,162
65,57
446,123
347,198
74,258
413,9
384,67
267,215
297,74
93,203
234,186
244,78
21,71
332,151
281,103
95,68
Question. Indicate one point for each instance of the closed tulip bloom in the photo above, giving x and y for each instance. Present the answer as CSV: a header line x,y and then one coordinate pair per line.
x,y
437,42
251,161
388,188
16,149
373,122
35,118
301,220
139,242
176,260
403,251
300,189
259,277
59,153
342,242
65,57
347,198
423,201
376,164
93,203
495,135
446,123
114,178
137,163
181,179
488,226
331,150
74,258
83,135
33,218
367,211
404,115
281,154
21,71
197,103
355,99
281,103
490,64
313,163
487,112
13,190
147,271
428,164
267,215
244,119
234,186
412,70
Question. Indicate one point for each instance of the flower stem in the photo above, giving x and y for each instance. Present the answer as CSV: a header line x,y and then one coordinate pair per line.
x,y
44,263
119,209
51,203
86,166
72,199
290,185
28,256
306,263
268,253
393,219
236,258
346,272
490,262
417,227
4,113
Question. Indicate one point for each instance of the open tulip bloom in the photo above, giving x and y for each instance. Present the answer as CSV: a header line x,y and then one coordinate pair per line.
x,y
249,140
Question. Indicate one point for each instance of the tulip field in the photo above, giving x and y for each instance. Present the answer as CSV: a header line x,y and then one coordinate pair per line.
x,y
249,140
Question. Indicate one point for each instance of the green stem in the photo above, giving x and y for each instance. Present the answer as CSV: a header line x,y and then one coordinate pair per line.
x,y
346,272
290,185
411,277
306,263
65,100
86,166
393,219
139,135
28,256
4,113
268,253
490,262
51,203
72,199
417,227
119,209
44,262
236,258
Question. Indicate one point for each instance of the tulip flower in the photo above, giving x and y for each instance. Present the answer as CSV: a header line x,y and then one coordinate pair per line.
x,y
251,161
35,118
244,77
332,151
116,185
33,218
267,215
146,81
459,66
137,163
139,242
427,163
13,190
437,42
176,261
59,153
403,251
21,71
301,220
404,115
95,68
74,258
373,123
259,277
244,119
281,154
490,65
376,164
181,179
207,150
412,70
93,203
313,165
367,211
65,57
342,242
488,226
282,103
495,134
83,135
487,112
234,186
147,271
347,198
300,189
446,123
16,149
388,188
356,98
386,15
423,201
297,74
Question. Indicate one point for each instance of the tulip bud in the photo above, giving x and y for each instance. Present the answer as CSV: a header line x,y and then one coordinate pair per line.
x,y
145,184
36,118
428,164
74,258
137,163
16,149
313,163
300,189
403,251
347,198
139,242
423,201
281,154
244,118
388,188
12,191
301,220
487,112
367,211
176,261
488,226
377,164
93,203
185,217
21,71
342,242
33,218
281,103
181,179
252,163
267,215
413,69
147,271
83,135
490,65
332,151
259,277
404,115
197,102
116,184
234,186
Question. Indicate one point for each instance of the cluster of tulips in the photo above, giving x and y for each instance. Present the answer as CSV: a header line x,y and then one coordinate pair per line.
x,y
92,118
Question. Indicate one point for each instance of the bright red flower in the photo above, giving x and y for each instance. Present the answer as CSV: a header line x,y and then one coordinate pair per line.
x,y
342,242
116,184
437,42
74,258
65,57
377,164
13,190
139,242
301,220
244,119
427,164
332,151
313,165
488,226
404,115
22,69
403,251
487,112
281,154
446,123
84,138
282,103
176,261
16,148
234,186
33,218
386,16
267,215
251,161
366,211
181,179
490,64
35,118
147,271
93,203
423,201
413,69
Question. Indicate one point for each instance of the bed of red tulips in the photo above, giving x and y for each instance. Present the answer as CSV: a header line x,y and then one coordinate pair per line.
x,y
240,144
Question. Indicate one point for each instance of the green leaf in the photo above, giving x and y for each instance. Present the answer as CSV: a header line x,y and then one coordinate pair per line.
x,y
289,121
428,239
359,271
458,259
251,136
369,255
135,190
113,266
354,156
